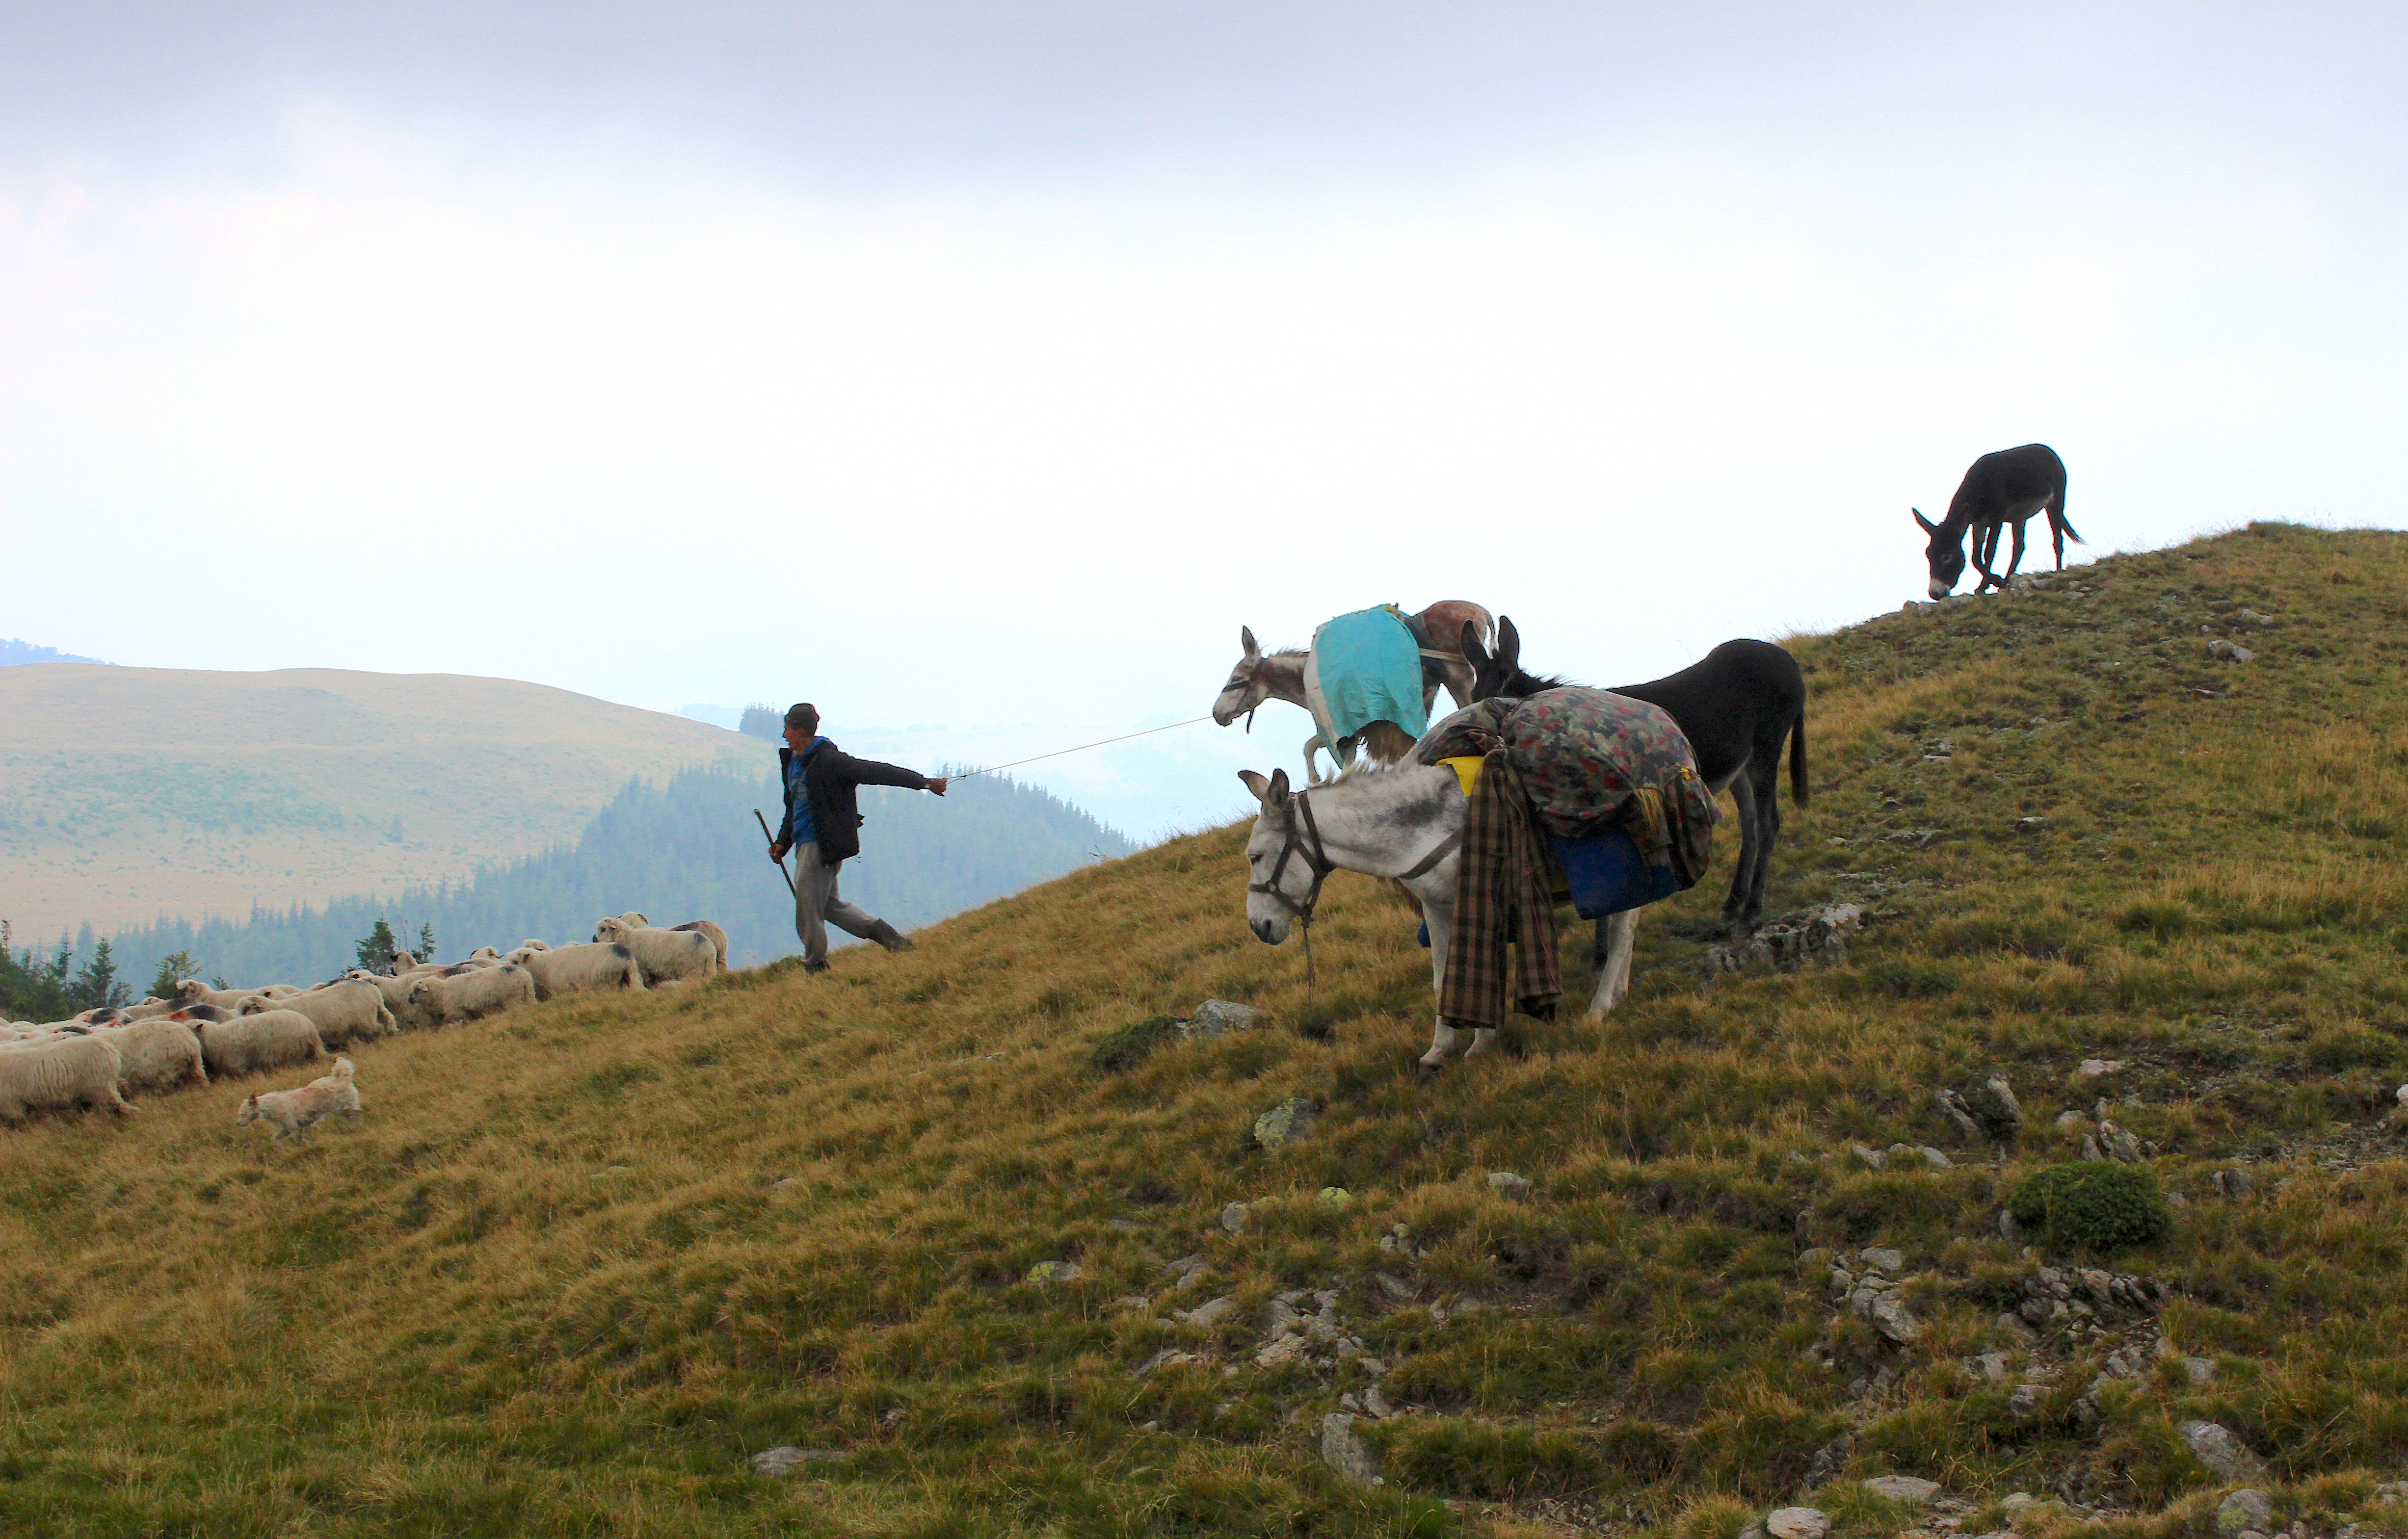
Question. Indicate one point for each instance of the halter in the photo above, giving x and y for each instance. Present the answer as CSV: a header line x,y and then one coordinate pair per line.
x,y
1301,822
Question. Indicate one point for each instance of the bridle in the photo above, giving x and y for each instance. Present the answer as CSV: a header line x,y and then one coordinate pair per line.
x,y
1300,825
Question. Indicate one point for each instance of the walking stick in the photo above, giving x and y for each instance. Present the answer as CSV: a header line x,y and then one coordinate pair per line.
x,y
773,844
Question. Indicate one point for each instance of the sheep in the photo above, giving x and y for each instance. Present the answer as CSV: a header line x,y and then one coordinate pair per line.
x,y
150,1010
395,992
267,1040
664,954
572,969
345,1013
534,946
486,955
477,991
159,1055
194,991
290,1111
56,1075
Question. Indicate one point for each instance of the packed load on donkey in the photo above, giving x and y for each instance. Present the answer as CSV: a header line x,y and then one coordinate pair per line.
x,y
1577,789
1436,632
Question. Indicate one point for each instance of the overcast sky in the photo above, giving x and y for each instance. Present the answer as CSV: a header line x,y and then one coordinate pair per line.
x,y
985,366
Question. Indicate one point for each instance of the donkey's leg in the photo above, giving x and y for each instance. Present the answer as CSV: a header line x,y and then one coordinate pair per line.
x,y
1743,790
1986,552
1614,937
2017,558
1443,1037
1763,831
1483,1039
1312,774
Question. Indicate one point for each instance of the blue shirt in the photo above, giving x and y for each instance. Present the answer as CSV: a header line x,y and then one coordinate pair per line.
x,y
801,827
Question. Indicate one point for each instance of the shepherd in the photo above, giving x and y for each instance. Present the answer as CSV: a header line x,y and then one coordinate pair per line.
x,y
823,826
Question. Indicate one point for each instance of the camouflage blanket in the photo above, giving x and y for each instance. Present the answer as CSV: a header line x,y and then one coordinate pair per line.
x,y
1589,761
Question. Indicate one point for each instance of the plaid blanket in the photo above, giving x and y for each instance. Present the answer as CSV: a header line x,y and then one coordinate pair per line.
x,y
1504,891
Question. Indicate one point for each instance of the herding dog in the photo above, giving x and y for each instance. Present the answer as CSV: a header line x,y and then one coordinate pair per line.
x,y
290,1111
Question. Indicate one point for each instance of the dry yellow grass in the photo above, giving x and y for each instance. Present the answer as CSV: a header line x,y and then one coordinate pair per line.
x,y
580,1261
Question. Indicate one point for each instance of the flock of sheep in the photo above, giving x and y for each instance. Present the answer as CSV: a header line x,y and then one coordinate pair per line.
x,y
101,1057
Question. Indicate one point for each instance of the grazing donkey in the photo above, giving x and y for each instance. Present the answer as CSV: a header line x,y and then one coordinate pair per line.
x,y
1403,822
1735,706
2005,488
1261,676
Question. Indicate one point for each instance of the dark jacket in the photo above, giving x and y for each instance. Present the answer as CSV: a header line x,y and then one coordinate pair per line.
x,y
830,777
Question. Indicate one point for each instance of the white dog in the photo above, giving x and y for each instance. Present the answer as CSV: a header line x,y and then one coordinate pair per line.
x,y
290,1111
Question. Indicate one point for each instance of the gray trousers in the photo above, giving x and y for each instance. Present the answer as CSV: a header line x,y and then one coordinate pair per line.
x,y
817,906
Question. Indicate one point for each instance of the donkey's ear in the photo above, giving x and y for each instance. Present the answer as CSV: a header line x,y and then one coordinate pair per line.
x,y
1255,783
1928,527
1246,637
1275,795
1509,643
1473,652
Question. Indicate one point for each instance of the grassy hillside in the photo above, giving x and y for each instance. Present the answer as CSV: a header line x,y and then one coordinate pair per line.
x,y
576,1264
129,794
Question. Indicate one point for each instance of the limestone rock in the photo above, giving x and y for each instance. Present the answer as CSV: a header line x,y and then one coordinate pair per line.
x,y
1233,1218
1218,1017
1289,1122
2232,1185
1882,1259
1797,1523
1345,1453
2026,1398
1333,1196
1871,1157
1889,1316
1054,1272
1935,1157
2094,1068
2200,1372
1903,1488
1992,1102
2226,1456
773,1463
2010,1229
2245,1511
1205,1314
2119,1144
1506,1184
2220,648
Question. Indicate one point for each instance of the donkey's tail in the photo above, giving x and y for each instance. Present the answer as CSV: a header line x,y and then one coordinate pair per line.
x,y
1798,787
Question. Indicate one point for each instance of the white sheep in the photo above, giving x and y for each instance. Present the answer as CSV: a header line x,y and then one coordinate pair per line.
x,y
478,991
58,1073
699,927
576,969
159,1055
662,954
194,991
288,1111
533,945
268,1040
345,1012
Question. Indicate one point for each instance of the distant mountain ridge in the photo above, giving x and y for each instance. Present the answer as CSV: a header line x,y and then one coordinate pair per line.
x,y
127,794
16,654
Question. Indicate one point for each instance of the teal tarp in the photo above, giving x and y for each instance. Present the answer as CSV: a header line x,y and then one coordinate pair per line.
x,y
1370,670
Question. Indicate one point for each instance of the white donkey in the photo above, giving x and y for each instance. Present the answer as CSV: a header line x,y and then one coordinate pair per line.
x,y
1404,822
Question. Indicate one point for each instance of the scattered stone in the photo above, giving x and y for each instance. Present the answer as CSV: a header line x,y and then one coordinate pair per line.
x,y
1396,1288
2245,1510
1377,1403
2200,1371
1289,1122
1934,1158
2024,1401
1882,1259
1992,1102
2226,1456
1218,1017
2016,1503
1233,1218
2010,1229
1889,1316
774,1462
1953,1107
2249,617
2030,825
2095,1067
1205,1314
1054,1272
1791,942
1797,1523
1506,1184
1871,1157
782,1182
1903,1488
2233,1184
1345,1453
2072,1121
2221,647
2119,1144
1333,1196
1168,1357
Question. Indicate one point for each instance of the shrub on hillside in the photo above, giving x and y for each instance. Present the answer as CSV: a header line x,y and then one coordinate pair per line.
x,y
2095,1205
1126,1047
1484,1460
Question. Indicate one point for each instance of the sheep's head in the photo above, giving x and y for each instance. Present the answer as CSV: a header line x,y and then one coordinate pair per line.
x,y
635,919
424,994
610,930
521,954
255,1004
249,1114
192,989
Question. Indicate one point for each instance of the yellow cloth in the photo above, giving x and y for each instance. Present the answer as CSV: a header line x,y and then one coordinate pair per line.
x,y
1466,770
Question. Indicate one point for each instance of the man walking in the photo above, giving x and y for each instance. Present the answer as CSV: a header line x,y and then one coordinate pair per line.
x,y
823,831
